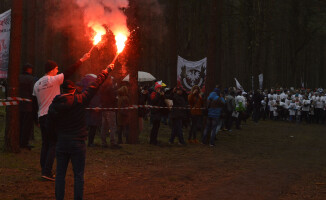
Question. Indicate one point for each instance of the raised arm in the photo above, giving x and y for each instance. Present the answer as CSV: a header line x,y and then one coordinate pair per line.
x,y
72,69
91,90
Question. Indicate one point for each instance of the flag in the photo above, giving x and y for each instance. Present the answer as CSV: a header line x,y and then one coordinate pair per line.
x,y
191,73
5,22
239,87
261,79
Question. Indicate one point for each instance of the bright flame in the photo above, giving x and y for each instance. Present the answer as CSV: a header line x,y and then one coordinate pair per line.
x,y
99,31
97,38
120,41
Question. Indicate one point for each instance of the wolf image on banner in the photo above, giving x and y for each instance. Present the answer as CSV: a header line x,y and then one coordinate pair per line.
x,y
191,73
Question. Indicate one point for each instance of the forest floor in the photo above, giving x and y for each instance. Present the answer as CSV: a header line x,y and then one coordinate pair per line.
x,y
268,160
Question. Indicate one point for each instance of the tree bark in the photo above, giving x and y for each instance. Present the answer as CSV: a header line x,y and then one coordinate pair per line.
x,y
214,53
12,114
133,49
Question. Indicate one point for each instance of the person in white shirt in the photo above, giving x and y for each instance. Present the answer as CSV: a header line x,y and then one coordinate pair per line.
x,y
240,107
298,108
45,89
292,110
283,96
319,111
305,109
263,108
283,110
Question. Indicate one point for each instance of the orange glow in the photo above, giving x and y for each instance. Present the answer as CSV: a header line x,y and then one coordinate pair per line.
x,y
97,38
120,41
99,31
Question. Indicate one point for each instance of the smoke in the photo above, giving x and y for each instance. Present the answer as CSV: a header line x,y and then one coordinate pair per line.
x,y
105,12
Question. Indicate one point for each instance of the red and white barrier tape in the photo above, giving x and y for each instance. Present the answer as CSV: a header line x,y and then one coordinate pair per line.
x,y
144,106
16,99
10,103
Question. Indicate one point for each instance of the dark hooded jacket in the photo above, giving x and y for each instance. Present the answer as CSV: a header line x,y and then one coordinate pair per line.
x,y
178,101
67,111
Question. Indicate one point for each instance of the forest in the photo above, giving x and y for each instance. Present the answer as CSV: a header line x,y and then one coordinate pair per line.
x,y
284,40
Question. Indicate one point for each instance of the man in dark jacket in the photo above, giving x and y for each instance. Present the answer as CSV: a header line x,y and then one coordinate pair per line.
x,y
256,99
67,112
45,89
177,114
109,100
27,110
157,99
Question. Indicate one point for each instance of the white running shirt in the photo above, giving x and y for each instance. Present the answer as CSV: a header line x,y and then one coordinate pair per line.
x,y
45,89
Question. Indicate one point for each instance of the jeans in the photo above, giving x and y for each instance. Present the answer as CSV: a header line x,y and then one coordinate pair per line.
x,y
154,131
211,126
195,123
108,122
76,152
48,146
177,130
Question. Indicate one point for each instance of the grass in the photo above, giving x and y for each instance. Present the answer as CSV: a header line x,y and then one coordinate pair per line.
x,y
269,160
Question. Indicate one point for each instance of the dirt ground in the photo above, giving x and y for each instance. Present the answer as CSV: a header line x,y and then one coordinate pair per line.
x,y
268,160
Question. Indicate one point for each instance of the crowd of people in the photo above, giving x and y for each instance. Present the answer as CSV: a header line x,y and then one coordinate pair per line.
x,y
222,108
66,124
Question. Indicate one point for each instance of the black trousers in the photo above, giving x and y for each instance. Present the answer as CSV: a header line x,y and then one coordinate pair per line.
x,y
228,120
91,134
154,131
26,128
48,145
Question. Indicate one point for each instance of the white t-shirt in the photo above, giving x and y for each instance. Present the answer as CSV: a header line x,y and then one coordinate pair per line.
x,y
239,99
306,105
319,102
45,89
283,95
292,109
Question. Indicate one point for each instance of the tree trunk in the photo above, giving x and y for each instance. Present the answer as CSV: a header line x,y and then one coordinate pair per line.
x,y
214,53
12,114
173,50
133,49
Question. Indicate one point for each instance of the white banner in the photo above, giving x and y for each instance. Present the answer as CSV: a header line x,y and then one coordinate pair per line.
x,y
239,87
5,21
261,79
191,73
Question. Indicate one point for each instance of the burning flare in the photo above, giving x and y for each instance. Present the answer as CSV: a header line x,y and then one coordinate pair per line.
x,y
97,38
120,41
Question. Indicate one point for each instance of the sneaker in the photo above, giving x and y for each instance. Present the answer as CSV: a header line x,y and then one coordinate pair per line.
x,y
212,145
224,129
49,177
171,143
